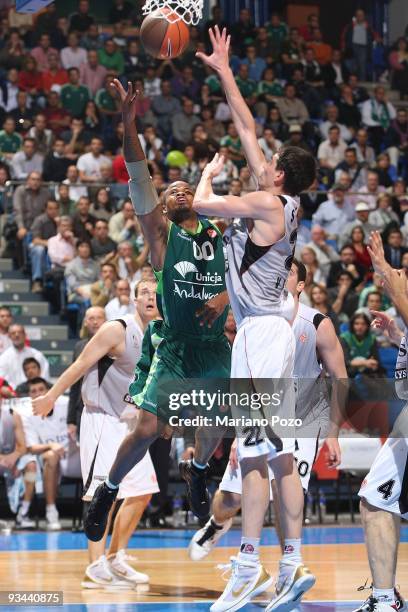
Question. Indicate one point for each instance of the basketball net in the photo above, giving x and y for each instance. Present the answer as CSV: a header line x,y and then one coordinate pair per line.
x,y
189,11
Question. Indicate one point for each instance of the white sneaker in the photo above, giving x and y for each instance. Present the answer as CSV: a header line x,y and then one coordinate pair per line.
x,y
248,579
372,604
204,540
290,587
52,518
23,521
98,576
120,568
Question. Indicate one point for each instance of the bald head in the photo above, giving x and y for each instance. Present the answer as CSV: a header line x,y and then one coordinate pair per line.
x,y
17,336
94,319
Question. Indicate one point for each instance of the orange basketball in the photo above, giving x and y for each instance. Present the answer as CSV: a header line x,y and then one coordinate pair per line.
x,y
162,38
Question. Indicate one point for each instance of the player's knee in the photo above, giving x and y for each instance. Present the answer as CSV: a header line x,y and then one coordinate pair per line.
x,y
226,501
30,467
50,458
147,427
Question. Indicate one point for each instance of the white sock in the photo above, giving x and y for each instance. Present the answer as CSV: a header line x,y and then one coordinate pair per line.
x,y
25,506
384,595
249,550
291,550
51,508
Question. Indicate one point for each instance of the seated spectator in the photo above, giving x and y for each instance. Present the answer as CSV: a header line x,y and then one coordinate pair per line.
x,y
335,73
309,259
228,172
248,183
323,52
348,263
383,215
128,264
124,225
213,127
81,21
32,369
269,88
361,220
152,83
121,10
365,153
89,164
151,144
393,249
360,348
319,299
343,297
325,253
234,145
61,248
360,249
76,138
122,304
43,228
303,232
106,100
42,136
23,114
48,438
377,115
74,96
6,320
204,145
191,172
333,214
76,189
291,108
42,52
183,122
93,119
256,64
12,53
92,73
56,163
102,205
73,55
387,173
353,168
81,273
11,361
243,30
111,58
66,205
54,75
296,138
10,140
331,151
92,39
9,91
183,84
119,173
57,118
332,119
399,65
263,44
27,161
134,68
376,286
83,222
371,191
269,144
30,79
396,137
59,35
103,247
349,113
103,290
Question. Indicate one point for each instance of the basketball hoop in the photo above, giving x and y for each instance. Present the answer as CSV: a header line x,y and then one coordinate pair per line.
x,y
189,11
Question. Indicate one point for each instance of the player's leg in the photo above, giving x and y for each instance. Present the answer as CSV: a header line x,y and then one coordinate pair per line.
x,y
29,477
277,515
51,461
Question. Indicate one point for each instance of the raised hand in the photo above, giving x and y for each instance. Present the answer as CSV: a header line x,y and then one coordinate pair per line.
x,y
376,252
395,283
386,324
127,100
215,166
219,58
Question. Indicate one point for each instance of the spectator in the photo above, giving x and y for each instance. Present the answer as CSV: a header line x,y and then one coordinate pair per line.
x,y
48,438
263,44
358,38
399,65
349,113
377,115
32,369
13,52
43,228
27,161
204,145
6,320
292,110
42,52
103,290
76,188
248,182
106,100
10,140
331,151
119,173
29,202
277,32
306,31
111,57
152,83
346,263
77,137
165,106
183,123
81,21
56,163
11,361
54,75
360,249
103,247
233,142
66,205
122,304
92,73
42,136
46,21
365,153
393,249
57,118
309,259
387,174
323,52
371,191
303,232
124,225
377,286
335,73
9,91
59,35
353,168
120,11
269,88
92,39
89,164
396,137
325,253
30,79
332,119
333,214
343,297
81,273
73,55
83,222
256,65
360,348
362,220
102,206
61,248
23,114
151,144
243,32
184,84
73,95
319,299
228,172
128,264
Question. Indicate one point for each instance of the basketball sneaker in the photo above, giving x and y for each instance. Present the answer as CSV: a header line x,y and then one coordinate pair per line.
x,y
96,518
204,540
248,579
400,602
23,521
290,587
372,604
197,492
52,519
98,576
121,569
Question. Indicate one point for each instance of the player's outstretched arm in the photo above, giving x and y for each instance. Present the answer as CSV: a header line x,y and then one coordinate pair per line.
x,y
142,191
109,336
253,205
241,115
376,252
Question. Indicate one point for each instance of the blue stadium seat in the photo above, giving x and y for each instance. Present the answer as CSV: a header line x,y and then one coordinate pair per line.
x,y
306,223
344,327
388,356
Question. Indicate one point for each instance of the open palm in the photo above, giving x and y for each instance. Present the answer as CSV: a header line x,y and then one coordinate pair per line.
x,y
127,99
219,58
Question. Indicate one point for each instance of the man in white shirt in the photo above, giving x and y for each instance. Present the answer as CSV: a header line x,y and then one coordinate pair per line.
x,y
48,438
371,191
333,214
73,55
121,304
376,115
90,164
11,361
6,320
61,248
331,151
26,161
332,114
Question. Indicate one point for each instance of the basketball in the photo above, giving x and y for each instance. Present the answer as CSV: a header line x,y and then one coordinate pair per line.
x,y
164,35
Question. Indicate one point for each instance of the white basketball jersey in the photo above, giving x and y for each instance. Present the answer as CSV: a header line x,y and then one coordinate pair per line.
x,y
401,381
105,385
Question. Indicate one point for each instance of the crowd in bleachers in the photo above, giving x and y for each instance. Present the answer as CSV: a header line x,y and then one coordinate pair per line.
x,y
68,222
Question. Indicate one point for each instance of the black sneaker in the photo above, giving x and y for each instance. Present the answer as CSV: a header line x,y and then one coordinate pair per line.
x,y
197,492
96,518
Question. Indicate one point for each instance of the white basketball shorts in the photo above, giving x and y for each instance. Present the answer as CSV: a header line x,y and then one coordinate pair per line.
x,y
100,438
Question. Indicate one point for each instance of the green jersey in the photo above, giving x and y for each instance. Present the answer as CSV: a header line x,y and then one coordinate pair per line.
x,y
193,273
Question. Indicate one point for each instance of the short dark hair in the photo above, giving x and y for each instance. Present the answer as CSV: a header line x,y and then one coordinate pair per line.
x,y
350,150
6,308
73,69
299,167
301,270
38,380
29,360
348,245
